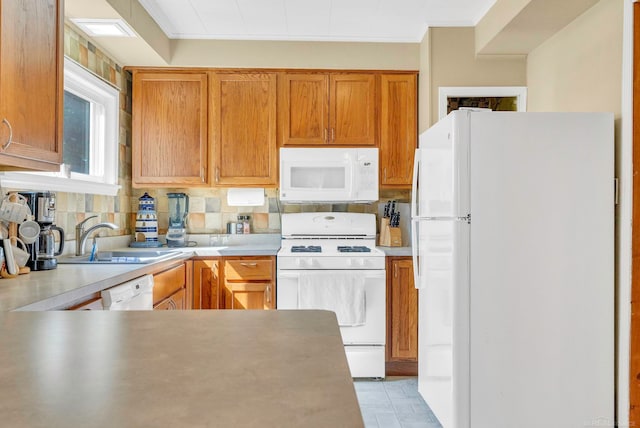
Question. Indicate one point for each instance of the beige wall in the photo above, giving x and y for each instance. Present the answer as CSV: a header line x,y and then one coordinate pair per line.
x,y
424,84
454,63
280,54
579,68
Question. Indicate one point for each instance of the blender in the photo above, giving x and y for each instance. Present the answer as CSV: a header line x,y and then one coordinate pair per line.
x,y
178,210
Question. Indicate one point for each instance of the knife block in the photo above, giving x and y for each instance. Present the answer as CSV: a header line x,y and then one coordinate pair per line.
x,y
389,236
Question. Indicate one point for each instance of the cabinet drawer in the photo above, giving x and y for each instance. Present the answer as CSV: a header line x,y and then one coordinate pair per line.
x,y
168,282
248,270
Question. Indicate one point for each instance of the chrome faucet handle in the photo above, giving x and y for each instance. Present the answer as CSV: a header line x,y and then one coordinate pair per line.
x,y
80,225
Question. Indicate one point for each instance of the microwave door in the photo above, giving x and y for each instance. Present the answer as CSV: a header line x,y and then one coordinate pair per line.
x,y
317,181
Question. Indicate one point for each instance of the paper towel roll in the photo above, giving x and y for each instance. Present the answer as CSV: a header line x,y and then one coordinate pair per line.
x,y
245,197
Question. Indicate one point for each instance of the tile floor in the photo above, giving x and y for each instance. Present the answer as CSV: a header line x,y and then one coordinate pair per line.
x,y
393,403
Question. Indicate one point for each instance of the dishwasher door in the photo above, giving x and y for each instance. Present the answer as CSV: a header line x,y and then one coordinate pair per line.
x,y
135,295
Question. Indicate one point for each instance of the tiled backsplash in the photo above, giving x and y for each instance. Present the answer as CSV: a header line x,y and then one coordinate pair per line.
x,y
208,211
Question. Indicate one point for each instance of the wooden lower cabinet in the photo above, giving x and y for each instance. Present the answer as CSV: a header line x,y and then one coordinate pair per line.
x,y
234,283
249,283
206,284
177,300
172,288
402,318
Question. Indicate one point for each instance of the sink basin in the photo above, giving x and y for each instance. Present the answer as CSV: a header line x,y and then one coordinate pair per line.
x,y
121,257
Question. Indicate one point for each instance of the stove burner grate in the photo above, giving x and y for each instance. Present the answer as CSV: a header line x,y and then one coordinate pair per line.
x,y
307,249
354,249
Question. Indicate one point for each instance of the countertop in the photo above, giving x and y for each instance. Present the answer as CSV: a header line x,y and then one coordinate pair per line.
x,y
139,368
396,251
57,288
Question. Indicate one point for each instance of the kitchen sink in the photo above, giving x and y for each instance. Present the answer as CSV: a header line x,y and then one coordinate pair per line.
x,y
121,257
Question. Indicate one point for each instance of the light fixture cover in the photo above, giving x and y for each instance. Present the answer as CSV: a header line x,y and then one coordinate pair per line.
x,y
95,27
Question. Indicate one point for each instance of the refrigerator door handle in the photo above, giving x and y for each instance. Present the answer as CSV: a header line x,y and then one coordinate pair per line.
x,y
415,248
414,188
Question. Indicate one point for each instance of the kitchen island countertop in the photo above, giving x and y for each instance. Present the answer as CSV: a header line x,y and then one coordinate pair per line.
x,y
139,368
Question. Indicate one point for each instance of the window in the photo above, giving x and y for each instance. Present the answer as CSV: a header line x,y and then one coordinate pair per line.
x,y
90,139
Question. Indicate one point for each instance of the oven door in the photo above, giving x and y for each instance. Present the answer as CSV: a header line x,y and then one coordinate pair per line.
x,y
374,328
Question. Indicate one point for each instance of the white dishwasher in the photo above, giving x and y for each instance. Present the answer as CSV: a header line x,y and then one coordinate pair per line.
x,y
134,295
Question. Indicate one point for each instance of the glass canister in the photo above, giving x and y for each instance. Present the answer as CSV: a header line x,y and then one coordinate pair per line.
x,y
246,225
147,222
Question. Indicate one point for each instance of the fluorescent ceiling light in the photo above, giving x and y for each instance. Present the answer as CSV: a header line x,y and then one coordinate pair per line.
x,y
104,27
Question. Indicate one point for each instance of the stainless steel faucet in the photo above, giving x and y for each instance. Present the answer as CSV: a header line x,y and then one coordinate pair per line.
x,y
82,235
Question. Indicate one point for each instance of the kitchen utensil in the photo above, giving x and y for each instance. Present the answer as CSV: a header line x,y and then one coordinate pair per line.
x,y
20,255
29,231
14,208
10,263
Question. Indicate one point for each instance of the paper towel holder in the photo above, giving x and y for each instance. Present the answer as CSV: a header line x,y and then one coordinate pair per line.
x,y
245,197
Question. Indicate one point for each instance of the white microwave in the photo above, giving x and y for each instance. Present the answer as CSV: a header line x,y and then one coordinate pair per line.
x,y
328,175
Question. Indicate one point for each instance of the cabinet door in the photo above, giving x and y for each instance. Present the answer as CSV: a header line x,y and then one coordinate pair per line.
x,y
352,109
304,109
31,84
402,308
169,146
205,284
168,282
243,127
176,301
250,295
398,129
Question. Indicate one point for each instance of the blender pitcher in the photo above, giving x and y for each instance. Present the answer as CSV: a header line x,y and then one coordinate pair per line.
x,y
178,211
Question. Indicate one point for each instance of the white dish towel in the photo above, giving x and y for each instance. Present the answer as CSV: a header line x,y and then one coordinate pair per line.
x,y
341,293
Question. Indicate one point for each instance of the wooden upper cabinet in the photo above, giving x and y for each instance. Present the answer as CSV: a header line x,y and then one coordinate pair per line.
x,y
304,109
398,129
170,141
31,83
352,112
327,108
243,129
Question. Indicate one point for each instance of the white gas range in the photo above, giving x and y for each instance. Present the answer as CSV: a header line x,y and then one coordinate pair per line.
x,y
329,261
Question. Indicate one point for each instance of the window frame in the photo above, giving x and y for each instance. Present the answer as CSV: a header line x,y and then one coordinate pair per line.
x,y
83,83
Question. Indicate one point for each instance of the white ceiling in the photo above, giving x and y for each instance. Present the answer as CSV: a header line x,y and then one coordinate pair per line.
x,y
317,20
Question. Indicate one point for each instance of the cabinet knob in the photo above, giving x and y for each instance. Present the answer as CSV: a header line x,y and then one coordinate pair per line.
x,y
6,145
268,293
217,174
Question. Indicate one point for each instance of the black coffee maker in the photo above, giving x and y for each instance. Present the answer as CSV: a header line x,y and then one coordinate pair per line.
x,y
42,253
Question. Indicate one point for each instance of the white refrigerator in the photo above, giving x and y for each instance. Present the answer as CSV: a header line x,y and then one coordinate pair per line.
x,y
513,246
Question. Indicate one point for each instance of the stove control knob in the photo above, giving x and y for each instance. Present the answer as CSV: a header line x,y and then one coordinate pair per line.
x,y
361,262
299,262
349,262
310,262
